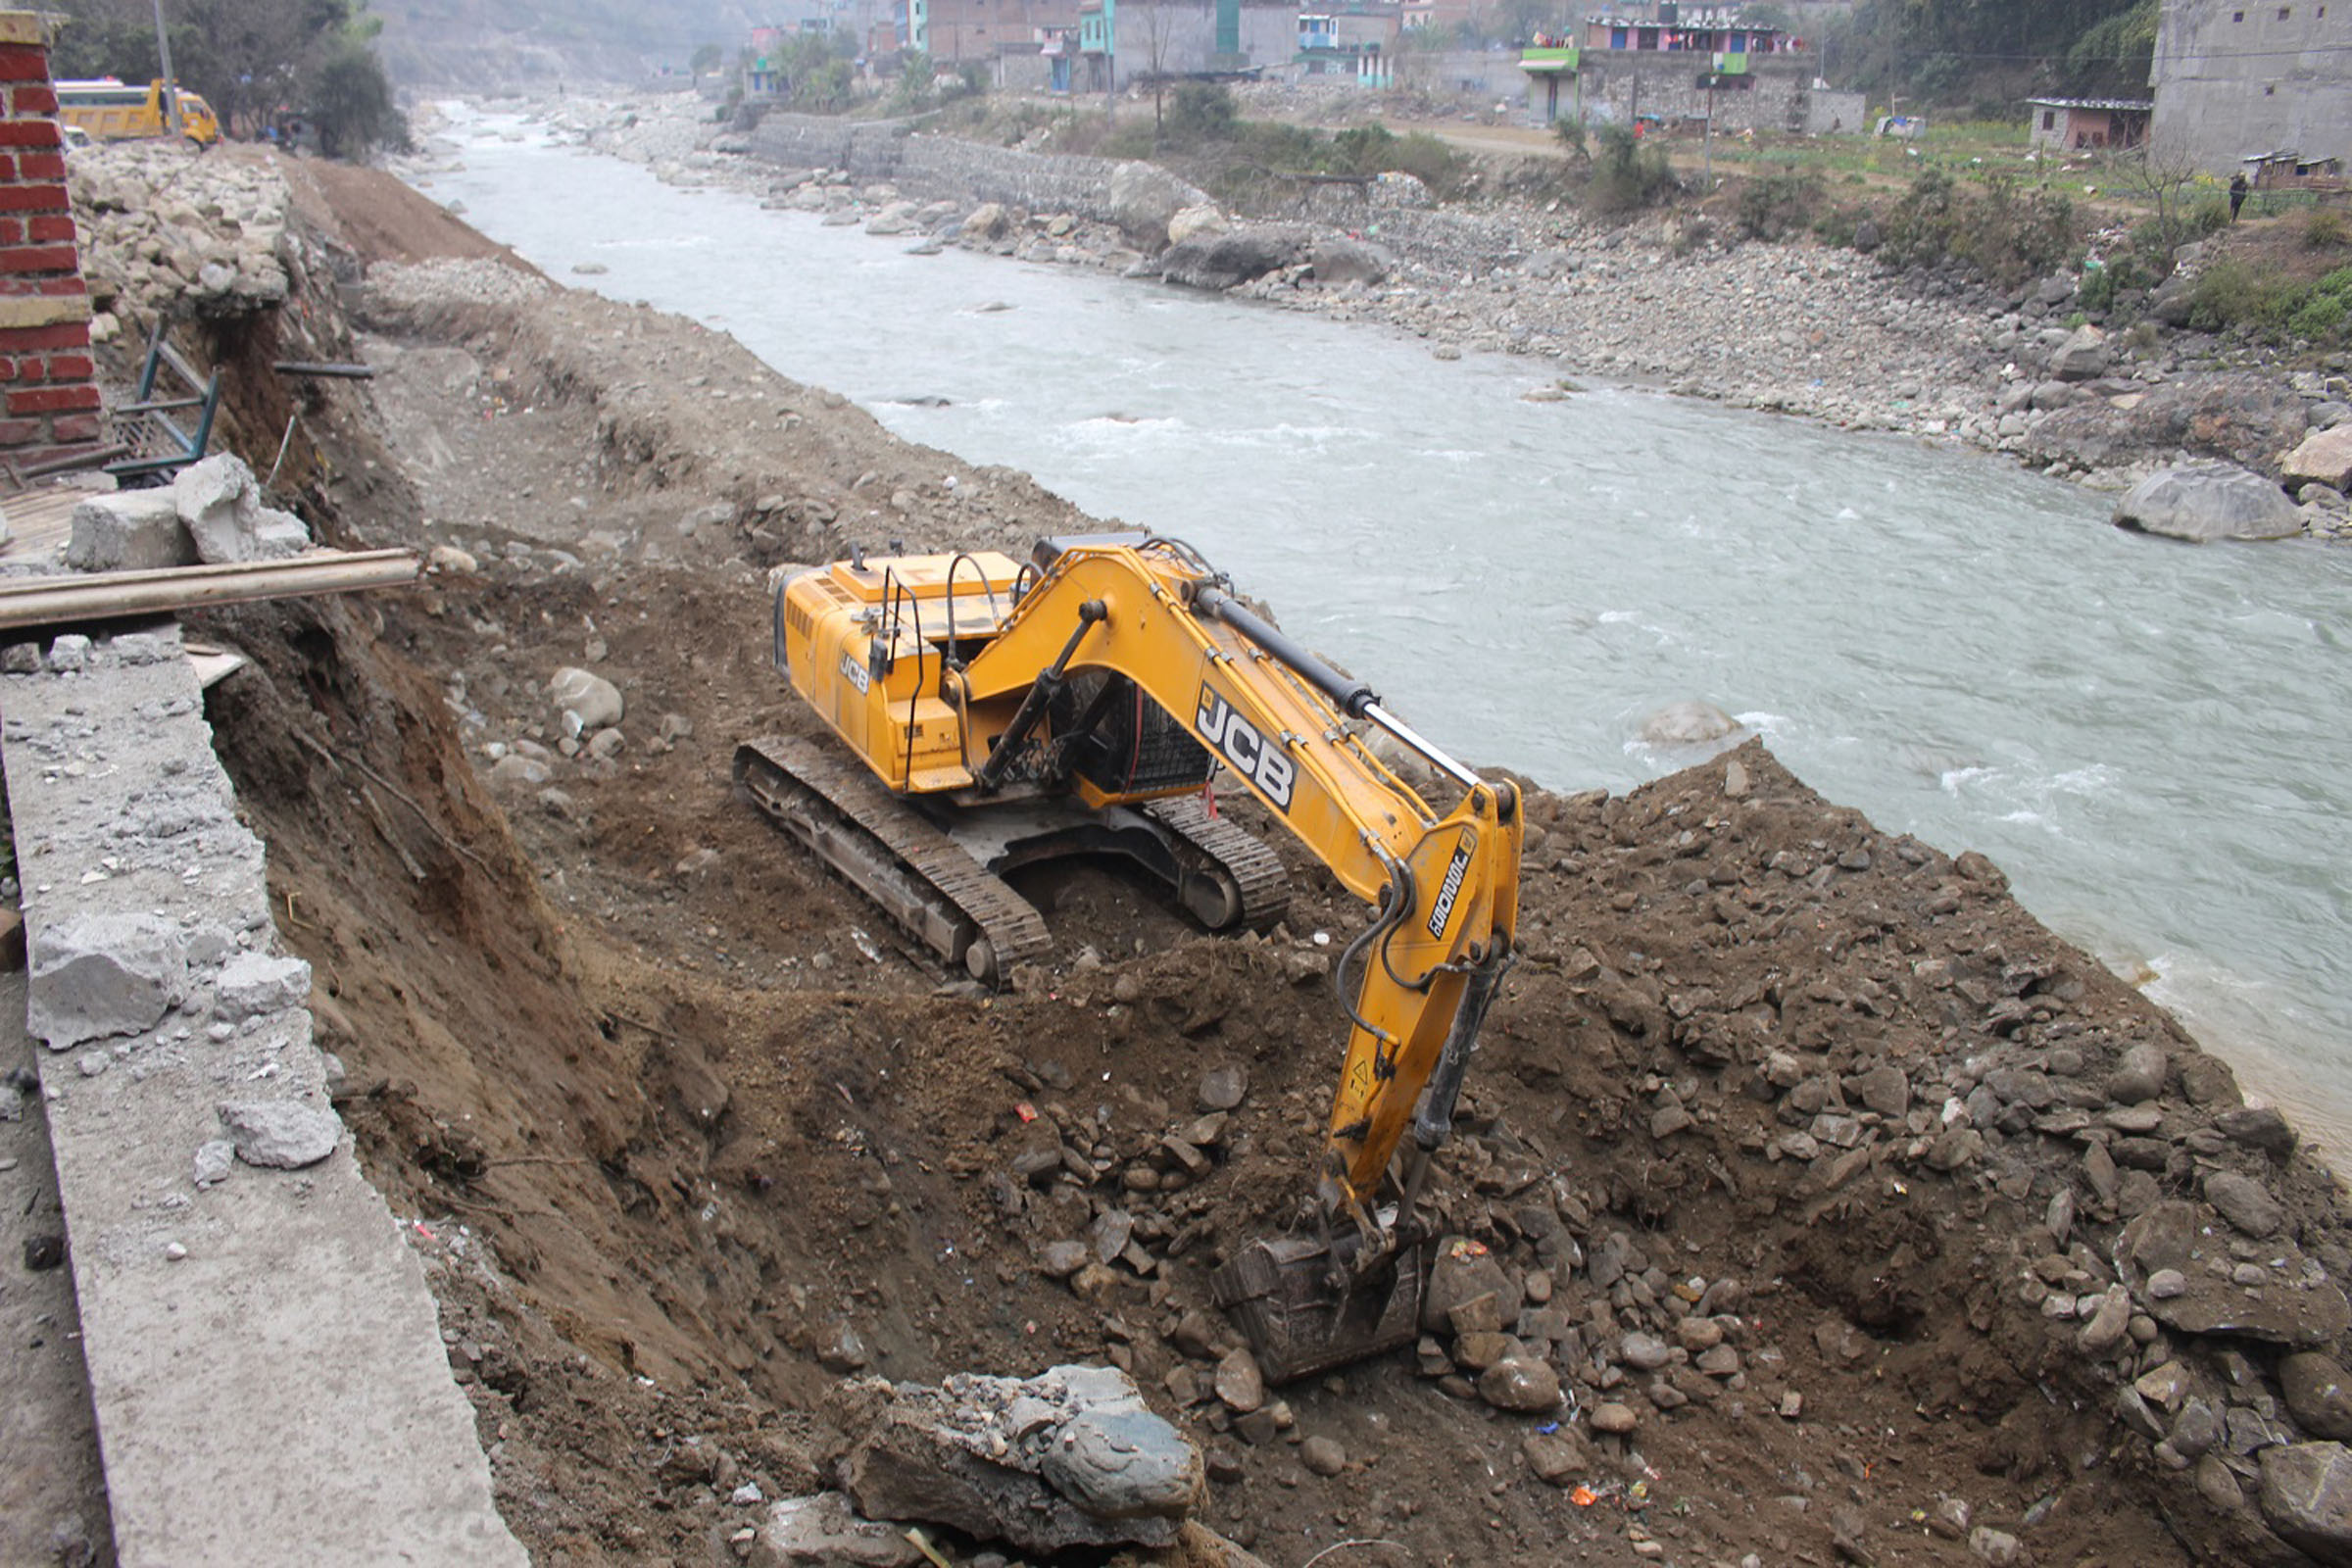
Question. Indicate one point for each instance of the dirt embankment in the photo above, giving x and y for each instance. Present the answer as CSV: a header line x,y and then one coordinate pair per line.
x,y
1799,1154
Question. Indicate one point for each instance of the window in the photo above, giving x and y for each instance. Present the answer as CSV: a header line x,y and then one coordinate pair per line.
x,y
2049,119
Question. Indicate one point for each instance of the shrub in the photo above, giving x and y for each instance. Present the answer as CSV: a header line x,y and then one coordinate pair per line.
x,y
1626,176
1997,229
1199,112
2325,230
1779,205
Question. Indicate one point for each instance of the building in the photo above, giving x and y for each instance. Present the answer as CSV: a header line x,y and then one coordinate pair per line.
x,y
2240,80
2085,125
1685,65
1358,44
1688,31
959,30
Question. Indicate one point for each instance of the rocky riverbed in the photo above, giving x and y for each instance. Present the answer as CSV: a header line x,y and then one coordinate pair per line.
x,y
1798,327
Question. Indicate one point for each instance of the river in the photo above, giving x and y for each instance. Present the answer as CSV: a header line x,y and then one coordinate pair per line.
x,y
2150,738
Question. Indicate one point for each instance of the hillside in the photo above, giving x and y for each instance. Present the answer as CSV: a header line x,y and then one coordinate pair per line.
x,y
493,45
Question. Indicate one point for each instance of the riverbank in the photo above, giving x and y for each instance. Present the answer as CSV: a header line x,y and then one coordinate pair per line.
x,y
1664,300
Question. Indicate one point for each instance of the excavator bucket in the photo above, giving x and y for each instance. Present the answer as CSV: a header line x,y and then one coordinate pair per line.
x,y
1303,1311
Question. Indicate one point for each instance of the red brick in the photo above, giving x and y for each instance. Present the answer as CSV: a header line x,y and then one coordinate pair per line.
x,y
22,63
21,432
49,198
39,259
8,370
41,165
35,339
52,399
30,368
24,101
57,287
30,133
41,228
8,168
12,232
75,427
70,367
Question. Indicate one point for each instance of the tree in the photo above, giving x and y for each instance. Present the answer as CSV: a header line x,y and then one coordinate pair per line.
x,y
706,60
351,99
248,58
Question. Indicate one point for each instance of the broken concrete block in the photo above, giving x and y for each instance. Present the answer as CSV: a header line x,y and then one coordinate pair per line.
x,y
220,503
277,535
282,1134
130,530
255,983
211,1162
1071,1457
99,975
822,1530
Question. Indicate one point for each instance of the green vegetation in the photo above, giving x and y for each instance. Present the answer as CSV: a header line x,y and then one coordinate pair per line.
x,y
1249,164
1777,204
249,58
1952,53
815,69
2237,295
1989,225
1628,175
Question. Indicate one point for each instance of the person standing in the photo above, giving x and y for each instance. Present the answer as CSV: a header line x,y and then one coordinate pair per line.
x,y
2237,194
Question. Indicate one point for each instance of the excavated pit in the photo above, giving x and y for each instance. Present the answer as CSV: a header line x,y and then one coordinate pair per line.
x,y
687,1138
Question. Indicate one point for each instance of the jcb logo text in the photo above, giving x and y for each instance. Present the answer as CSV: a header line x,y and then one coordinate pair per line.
x,y
1240,744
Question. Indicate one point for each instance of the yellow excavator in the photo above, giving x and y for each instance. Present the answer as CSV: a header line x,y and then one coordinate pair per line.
x,y
995,714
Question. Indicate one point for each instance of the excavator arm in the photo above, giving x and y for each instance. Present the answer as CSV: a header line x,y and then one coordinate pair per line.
x,y
1416,983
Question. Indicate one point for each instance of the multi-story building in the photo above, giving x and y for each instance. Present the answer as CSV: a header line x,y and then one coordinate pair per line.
x,y
2239,83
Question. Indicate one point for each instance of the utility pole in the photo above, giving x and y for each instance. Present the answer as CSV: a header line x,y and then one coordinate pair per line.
x,y
163,49
1708,141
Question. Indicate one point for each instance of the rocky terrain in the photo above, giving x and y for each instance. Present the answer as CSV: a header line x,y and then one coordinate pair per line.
x,y
1796,327
1812,1203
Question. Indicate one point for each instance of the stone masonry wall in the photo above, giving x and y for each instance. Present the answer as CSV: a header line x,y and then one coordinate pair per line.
x,y
51,395
940,167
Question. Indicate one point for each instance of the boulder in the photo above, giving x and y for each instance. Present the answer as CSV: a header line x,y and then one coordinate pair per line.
x,y
1339,261
988,220
584,700
2325,457
2318,1395
2083,357
2207,501
1229,260
1464,1270
822,1531
2306,1498
1070,1457
1143,197
2174,1243
1688,723
130,530
1522,1385
2244,1202
1195,222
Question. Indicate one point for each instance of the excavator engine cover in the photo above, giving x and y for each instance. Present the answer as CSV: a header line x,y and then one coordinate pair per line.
x,y
1305,1311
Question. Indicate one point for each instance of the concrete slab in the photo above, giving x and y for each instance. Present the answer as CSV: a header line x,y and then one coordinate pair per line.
x,y
52,1490
265,1358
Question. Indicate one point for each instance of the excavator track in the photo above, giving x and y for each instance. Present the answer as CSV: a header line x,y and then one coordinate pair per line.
x,y
916,874
1258,877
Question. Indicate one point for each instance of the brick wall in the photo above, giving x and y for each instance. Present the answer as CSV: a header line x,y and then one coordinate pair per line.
x,y
48,393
